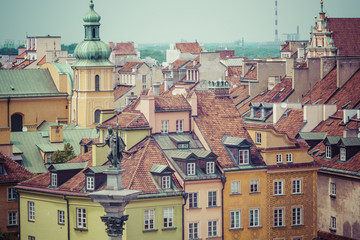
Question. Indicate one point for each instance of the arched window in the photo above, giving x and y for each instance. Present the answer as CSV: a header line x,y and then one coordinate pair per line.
x,y
16,123
97,116
97,87
93,32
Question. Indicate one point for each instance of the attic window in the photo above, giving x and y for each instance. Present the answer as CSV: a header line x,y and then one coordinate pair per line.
x,y
183,146
2,169
328,151
190,169
165,182
342,154
53,180
345,105
252,68
243,157
210,167
90,183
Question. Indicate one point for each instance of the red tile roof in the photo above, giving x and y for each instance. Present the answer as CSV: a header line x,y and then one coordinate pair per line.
x,y
126,48
14,171
42,61
280,92
218,117
252,73
193,48
286,46
234,74
121,90
21,56
178,63
334,125
129,66
246,106
132,119
239,94
171,103
226,53
291,123
191,63
346,35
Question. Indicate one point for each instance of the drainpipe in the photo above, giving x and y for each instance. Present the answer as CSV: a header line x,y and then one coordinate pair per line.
x,y
68,217
18,214
183,208
223,180
8,111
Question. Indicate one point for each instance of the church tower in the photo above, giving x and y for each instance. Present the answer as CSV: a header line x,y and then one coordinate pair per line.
x,y
93,74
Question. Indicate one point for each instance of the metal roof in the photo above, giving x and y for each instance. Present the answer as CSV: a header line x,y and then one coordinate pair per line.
x,y
68,166
333,139
313,135
50,147
157,168
235,141
99,169
165,142
351,142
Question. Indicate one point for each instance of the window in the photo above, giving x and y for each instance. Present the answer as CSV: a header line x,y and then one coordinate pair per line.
x,y
212,199
143,86
342,154
254,218
190,169
97,116
31,211
328,151
234,219
168,217
90,183
278,188
235,187
258,138
289,157
144,79
179,126
193,230
333,189
80,217
12,218
164,126
97,85
61,217
296,216
279,158
31,238
149,219
12,195
193,200
278,217
212,228
54,179
165,182
296,186
48,158
333,223
254,186
210,167
243,157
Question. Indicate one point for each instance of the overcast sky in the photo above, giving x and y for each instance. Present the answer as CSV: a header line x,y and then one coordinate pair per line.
x,y
163,21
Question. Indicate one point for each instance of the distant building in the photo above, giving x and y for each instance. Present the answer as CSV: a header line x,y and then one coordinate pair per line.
x,y
123,52
182,51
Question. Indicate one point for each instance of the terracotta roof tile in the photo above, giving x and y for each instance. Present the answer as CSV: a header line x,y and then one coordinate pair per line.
x,y
14,171
21,56
334,126
125,48
226,53
121,90
239,94
252,73
346,35
221,114
246,106
193,48
178,63
129,66
291,123
234,74
286,47
127,120
42,61
191,63
280,92
171,103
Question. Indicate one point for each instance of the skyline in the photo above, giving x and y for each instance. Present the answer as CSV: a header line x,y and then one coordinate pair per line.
x,y
165,21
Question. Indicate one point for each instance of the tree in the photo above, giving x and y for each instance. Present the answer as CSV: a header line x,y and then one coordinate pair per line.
x,y
63,156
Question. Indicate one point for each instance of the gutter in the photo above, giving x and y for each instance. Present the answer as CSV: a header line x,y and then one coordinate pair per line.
x,y
68,217
183,213
18,216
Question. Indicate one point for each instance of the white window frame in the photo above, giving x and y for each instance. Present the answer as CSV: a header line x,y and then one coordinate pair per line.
x,y
31,238
244,154
235,219
165,182
164,126
12,218
193,200
168,217
210,167
328,152
333,189
258,137
279,217
343,154
54,181
81,218
212,199
90,183
212,229
12,195
255,183
179,125
191,169
235,187
297,218
194,230
289,158
149,219
278,187
296,186
279,158
254,217
333,223
31,211
61,217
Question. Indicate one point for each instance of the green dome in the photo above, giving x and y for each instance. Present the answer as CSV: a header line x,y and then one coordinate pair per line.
x,y
92,50
92,18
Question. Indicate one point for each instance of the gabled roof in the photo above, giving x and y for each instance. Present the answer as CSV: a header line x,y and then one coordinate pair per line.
x,y
193,47
127,120
121,90
332,140
42,61
251,74
14,172
177,64
349,142
191,63
291,122
129,66
124,48
67,166
235,141
346,35
171,103
159,169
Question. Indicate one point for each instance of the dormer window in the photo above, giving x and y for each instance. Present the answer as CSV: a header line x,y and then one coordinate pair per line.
x,y
258,138
243,157
2,169
328,151
90,183
54,180
210,167
183,145
342,154
190,169
165,182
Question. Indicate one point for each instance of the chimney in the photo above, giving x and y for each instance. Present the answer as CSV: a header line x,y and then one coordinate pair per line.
x,y
147,107
193,103
56,134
